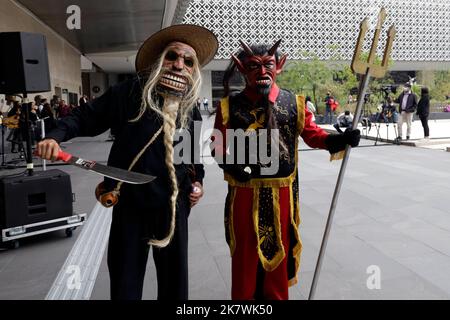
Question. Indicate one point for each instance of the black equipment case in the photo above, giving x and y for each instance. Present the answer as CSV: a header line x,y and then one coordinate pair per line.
x,y
40,203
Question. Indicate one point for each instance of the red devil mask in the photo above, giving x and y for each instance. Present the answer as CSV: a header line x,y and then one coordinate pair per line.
x,y
260,71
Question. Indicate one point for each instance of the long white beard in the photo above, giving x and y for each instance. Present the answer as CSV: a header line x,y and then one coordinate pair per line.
x,y
171,105
169,111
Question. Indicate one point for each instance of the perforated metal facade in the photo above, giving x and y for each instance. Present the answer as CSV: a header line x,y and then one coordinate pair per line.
x,y
423,28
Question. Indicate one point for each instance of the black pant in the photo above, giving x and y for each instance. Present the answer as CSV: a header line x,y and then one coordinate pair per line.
x,y
128,253
426,129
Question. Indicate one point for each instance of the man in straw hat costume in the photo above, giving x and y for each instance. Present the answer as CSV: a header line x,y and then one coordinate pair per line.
x,y
262,208
145,112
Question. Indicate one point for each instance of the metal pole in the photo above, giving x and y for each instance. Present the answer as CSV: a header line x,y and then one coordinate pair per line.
x,y
3,141
363,85
27,135
44,162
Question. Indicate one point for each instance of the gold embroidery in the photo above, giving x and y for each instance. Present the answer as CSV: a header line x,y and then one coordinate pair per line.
x,y
259,122
225,110
269,237
266,236
295,222
300,113
278,109
231,222
270,246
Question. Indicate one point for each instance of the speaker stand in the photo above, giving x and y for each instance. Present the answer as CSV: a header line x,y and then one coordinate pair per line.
x,y
3,143
26,135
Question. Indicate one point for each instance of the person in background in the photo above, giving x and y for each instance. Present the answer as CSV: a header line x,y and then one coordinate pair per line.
x,y
38,103
423,111
206,104
83,100
37,99
344,120
4,106
407,101
328,112
40,107
63,109
389,111
15,136
311,108
48,117
350,99
54,104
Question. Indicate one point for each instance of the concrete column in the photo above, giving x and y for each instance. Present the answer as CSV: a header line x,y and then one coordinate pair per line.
x,y
206,89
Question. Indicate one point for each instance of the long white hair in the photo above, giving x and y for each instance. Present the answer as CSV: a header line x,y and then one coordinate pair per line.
x,y
150,96
172,109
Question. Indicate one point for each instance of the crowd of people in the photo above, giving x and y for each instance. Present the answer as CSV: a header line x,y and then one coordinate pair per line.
x,y
40,110
398,110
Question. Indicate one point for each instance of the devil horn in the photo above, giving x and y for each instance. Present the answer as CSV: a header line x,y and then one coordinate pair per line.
x,y
246,48
274,48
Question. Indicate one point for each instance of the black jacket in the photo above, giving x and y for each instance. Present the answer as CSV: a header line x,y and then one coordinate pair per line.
x,y
113,110
423,108
411,105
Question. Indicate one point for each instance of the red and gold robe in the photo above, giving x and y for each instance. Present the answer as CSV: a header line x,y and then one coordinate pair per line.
x,y
267,206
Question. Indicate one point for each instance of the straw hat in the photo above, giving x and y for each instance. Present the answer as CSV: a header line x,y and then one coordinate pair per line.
x,y
203,41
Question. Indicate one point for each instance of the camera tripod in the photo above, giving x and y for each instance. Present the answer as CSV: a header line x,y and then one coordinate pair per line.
x,y
386,122
365,117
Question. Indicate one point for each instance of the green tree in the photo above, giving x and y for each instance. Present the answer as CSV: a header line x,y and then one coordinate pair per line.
x,y
306,77
314,77
441,86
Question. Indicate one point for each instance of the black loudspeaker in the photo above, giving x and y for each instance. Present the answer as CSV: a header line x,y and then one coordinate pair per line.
x,y
23,63
24,200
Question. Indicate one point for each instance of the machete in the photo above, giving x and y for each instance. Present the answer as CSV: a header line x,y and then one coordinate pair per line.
x,y
107,171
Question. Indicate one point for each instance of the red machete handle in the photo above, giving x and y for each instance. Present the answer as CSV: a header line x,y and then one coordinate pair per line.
x,y
64,156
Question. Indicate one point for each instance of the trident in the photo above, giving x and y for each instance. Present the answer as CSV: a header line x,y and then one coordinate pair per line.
x,y
367,69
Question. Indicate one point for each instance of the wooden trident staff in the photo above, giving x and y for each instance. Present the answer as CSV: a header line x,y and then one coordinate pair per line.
x,y
367,69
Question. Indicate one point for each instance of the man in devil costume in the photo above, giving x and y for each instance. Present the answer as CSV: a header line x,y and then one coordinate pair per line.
x,y
262,211
144,113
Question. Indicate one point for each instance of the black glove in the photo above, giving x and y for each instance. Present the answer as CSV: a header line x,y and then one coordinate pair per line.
x,y
338,142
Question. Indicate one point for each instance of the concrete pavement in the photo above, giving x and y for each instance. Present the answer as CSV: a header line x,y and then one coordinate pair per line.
x,y
439,133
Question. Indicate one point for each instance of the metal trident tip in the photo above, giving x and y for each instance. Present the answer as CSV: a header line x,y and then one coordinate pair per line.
x,y
361,67
392,31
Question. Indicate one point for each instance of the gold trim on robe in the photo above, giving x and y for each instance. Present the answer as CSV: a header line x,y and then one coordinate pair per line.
x,y
225,110
301,105
266,203
232,240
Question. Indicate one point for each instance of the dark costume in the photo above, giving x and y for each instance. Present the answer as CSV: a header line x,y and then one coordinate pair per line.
x,y
423,111
142,212
155,213
262,213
